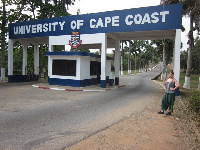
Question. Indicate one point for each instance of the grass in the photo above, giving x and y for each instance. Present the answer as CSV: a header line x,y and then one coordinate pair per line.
x,y
187,125
194,80
6,78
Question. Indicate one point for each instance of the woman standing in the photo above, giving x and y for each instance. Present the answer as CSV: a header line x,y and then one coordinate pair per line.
x,y
171,84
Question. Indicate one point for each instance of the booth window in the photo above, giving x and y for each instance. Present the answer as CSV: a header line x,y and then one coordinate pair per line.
x,y
93,68
64,67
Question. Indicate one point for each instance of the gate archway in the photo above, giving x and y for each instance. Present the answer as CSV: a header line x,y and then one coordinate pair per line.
x,y
101,31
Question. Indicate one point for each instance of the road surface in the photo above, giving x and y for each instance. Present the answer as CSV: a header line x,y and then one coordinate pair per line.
x,y
33,118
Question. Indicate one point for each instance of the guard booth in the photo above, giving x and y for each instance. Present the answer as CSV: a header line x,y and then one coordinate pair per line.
x,y
96,31
76,69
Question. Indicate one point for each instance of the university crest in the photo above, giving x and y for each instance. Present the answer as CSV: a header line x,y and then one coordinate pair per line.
x,y
75,41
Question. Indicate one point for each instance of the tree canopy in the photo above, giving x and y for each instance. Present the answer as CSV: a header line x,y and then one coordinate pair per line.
x,y
13,11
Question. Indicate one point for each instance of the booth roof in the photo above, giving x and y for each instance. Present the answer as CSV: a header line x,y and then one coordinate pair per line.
x,y
76,53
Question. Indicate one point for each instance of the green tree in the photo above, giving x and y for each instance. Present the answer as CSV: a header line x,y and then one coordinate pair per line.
x,y
190,8
134,49
122,55
143,52
165,49
17,58
196,57
24,10
183,60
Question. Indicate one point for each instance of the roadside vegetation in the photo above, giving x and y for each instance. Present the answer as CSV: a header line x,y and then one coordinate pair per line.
x,y
187,117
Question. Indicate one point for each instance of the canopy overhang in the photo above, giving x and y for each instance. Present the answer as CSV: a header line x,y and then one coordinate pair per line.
x,y
101,31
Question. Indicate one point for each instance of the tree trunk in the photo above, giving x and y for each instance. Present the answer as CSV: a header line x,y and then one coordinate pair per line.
x,y
135,62
189,59
164,68
122,60
63,6
139,64
33,10
3,43
129,54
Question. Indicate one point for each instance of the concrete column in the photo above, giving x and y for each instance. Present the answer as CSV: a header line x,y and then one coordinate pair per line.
x,y
176,57
10,57
36,59
51,48
103,62
117,61
49,60
24,63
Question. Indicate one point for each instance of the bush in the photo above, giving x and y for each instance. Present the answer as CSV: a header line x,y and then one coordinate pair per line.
x,y
194,103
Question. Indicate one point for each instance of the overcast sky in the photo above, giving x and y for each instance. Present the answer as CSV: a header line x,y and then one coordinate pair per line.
x,y
94,6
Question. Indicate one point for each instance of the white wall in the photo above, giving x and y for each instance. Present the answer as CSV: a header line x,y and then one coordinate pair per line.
x,y
86,39
108,67
84,68
83,71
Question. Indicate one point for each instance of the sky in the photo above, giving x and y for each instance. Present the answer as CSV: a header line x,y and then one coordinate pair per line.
x,y
95,6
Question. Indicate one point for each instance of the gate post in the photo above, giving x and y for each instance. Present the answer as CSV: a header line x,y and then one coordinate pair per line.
x,y
117,61
10,57
103,61
24,63
176,57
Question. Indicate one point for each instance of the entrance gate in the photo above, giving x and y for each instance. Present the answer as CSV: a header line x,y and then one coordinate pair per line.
x,y
101,31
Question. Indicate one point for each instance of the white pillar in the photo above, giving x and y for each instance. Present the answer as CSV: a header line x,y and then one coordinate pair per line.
x,y
117,61
129,58
36,59
10,57
24,63
51,49
103,62
176,56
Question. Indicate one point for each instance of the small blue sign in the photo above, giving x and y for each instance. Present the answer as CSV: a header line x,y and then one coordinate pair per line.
x,y
162,17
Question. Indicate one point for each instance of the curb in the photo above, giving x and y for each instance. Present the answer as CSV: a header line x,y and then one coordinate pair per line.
x,y
62,89
159,84
3,82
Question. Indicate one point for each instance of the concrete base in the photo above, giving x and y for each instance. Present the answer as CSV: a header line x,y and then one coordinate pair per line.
x,y
22,78
116,81
74,83
103,84
110,82
177,92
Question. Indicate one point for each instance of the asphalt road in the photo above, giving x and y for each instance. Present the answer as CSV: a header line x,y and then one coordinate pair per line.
x,y
33,118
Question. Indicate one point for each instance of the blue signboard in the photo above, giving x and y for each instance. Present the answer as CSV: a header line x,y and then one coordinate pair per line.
x,y
162,17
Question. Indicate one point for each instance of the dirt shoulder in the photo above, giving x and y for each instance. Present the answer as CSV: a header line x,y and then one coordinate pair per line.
x,y
145,130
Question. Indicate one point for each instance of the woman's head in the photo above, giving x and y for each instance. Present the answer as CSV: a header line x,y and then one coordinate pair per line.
x,y
171,74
